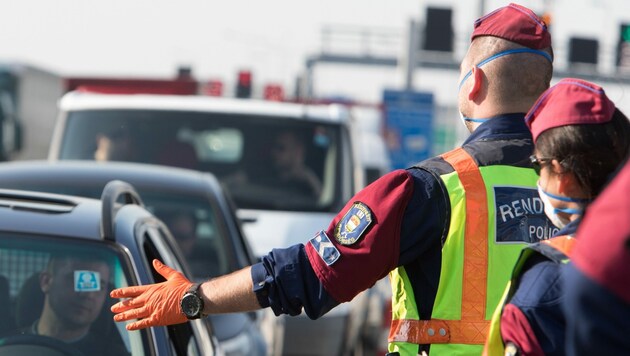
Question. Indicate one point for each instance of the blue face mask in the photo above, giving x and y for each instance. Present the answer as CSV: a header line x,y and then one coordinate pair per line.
x,y
552,212
493,57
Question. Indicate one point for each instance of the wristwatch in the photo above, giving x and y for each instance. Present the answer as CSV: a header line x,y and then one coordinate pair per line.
x,y
192,303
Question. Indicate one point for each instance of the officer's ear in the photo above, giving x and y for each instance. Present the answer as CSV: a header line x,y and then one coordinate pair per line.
x,y
566,182
477,78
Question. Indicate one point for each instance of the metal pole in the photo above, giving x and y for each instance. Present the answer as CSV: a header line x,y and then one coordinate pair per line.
x,y
309,92
411,55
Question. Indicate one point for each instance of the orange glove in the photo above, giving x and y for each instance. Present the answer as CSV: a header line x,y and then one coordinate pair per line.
x,y
155,304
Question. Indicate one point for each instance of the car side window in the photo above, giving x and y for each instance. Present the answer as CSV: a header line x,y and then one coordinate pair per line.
x,y
199,229
182,338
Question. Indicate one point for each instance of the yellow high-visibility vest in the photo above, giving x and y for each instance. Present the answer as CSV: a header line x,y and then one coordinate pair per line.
x,y
474,268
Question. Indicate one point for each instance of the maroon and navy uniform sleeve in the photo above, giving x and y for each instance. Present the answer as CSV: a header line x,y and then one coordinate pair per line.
x,y
359,246
533,318
367,236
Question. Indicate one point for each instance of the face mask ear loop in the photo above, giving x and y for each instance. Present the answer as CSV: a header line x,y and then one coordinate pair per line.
x,y
475,120
567,199
464,80
505,53
569,211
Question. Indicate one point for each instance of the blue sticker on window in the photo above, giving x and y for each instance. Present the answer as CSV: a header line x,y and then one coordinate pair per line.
x,y
87,281
520,216
350,228
325,248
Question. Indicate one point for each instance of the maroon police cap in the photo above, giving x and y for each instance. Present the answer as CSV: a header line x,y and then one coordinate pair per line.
x,y
570,102
514,23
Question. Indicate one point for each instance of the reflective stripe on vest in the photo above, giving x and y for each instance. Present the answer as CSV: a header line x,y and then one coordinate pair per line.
x,y
557,249
460,312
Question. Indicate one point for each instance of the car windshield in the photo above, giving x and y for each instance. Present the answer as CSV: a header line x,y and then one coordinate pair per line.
x,y
269,163
195,222
55,290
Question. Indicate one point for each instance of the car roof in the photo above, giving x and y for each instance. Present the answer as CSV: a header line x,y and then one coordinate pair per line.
x,y
140,175
51,214
76,101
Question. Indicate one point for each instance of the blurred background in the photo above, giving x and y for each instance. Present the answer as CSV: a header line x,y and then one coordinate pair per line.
x,y
394,63
372,53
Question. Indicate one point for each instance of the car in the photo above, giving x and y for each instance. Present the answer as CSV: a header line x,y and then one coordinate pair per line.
x,y
243,143
196,211
60,256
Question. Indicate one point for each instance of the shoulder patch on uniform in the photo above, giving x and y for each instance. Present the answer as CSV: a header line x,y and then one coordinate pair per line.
x,y
353,224
325,248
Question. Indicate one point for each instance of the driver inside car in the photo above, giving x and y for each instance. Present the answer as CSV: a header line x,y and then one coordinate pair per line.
x,y
75,290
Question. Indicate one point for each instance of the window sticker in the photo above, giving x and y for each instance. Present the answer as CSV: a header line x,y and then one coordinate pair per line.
x,y
87,281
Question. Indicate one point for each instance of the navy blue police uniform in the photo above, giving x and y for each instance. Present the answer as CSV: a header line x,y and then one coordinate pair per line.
x,y
408,220
538,299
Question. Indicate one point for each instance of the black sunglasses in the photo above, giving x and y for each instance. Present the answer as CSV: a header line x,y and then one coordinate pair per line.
x,y
537,163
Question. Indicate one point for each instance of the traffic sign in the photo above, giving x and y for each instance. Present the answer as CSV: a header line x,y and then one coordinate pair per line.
x,y
409,126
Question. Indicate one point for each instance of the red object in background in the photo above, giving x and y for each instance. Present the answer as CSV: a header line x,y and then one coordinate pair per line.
x,y
273,92
245,77
179,86
244,84
213,88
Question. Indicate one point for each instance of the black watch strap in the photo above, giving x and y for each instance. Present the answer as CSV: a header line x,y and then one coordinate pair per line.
x,y
194,289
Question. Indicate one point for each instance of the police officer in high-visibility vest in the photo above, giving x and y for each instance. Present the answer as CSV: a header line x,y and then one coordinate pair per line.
x,y
448,229
580,139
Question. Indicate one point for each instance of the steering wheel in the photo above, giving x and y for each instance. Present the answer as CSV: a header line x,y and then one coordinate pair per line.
x,y
36,345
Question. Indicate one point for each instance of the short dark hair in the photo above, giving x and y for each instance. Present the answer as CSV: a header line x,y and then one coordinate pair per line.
x,y
59,259
590,151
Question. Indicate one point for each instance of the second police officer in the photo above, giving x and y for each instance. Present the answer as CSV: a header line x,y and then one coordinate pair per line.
x,y
581,138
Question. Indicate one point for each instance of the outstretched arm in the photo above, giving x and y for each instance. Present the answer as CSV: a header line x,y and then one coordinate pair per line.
x,y
159,304
230,293
303,277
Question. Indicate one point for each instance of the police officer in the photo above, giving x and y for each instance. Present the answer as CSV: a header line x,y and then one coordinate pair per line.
x,y
580,139
447,229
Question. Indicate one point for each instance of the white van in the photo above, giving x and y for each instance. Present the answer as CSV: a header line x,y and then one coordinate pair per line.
x,y
237,141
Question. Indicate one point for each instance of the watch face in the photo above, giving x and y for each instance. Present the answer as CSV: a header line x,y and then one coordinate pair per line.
x,y
191,305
